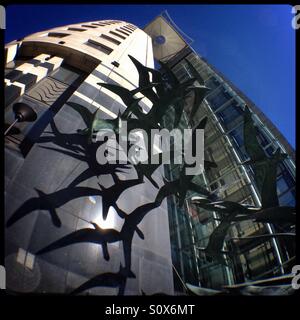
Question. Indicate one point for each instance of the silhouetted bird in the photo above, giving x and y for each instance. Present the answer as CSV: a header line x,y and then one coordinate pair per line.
x,y
158,79
276,215
97,235
169,74
280,285
214,248
201,291
230,211
70,141
175,97
109,279
199,92
110,195
144,80
147,169
282,214
226,207
126,95
130,226
180,187
94,124
265,168
86,115
51,202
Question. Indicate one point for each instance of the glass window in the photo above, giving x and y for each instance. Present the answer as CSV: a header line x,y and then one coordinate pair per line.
x,y
110,39
238,136
217,100
98,24
262,138
282,185
212,83
229,114
287,199
99,46
76,29
270,150
57,34
88,26
288,178
124,28
126,34
117,35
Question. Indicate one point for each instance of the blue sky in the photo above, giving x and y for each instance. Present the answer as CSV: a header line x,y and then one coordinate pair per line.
x,y
252,45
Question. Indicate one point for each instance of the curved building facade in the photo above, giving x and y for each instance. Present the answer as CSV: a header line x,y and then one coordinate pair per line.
x,y
49,71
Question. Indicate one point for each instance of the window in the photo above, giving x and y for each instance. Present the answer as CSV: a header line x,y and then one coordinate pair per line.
x,y
270,150
127,30
238,135
76,29
130,27
99,46
126,34
287,199
118,35
212,83
288,178
229,114
217,100
57,34
263,140
110,39
98,24
89,26
282,185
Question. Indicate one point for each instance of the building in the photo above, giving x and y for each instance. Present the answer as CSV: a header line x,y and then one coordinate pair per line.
x,y
191,227
48,70
51,69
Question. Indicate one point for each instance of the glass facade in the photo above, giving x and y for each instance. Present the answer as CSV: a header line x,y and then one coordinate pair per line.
x,y
192,226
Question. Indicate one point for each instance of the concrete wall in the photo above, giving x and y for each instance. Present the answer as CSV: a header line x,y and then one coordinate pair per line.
x,y
49,171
